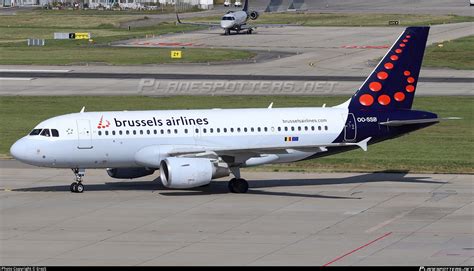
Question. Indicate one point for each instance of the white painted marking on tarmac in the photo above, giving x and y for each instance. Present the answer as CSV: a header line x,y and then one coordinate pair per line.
x,y
352,212
19,70
386,222
15,79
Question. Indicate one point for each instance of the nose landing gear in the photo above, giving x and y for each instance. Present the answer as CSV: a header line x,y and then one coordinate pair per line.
x,y
77,187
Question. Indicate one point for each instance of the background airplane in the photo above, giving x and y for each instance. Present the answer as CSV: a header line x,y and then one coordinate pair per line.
x,y
191,147
232,20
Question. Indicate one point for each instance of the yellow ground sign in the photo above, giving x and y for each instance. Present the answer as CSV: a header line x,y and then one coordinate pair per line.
x,y
175,54
82,36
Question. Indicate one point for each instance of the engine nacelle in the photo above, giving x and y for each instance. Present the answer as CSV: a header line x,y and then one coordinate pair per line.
x,y
254,15
184,173
129,173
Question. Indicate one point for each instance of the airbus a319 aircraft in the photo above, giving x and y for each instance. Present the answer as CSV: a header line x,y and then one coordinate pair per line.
x,y
192,147
232,20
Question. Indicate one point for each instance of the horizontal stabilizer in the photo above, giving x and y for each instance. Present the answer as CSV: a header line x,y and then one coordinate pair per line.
x,y
409,122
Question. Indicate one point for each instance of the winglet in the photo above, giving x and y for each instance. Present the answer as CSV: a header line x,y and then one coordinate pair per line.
x,y
270,106
363,144
82,110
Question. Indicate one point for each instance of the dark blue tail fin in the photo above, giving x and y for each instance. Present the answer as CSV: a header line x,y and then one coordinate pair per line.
x,y
246,6
392,84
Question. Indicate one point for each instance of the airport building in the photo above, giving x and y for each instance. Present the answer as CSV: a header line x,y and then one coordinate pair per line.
x,y
132,4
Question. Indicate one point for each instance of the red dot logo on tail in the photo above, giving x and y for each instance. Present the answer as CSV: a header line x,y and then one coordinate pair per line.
x,y
388,66
384,99
375,86
366,100
399,96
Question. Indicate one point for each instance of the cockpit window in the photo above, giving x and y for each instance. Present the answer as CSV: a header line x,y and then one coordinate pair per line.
x,y
227,18
35,132
45,132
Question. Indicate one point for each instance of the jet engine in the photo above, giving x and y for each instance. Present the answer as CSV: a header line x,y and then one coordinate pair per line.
x,y
129,173
178,172
254,15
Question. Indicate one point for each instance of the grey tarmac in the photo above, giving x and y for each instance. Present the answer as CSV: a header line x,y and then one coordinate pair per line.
x,y
286,218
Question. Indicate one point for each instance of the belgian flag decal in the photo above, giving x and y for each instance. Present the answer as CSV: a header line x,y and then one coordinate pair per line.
x,y
291,138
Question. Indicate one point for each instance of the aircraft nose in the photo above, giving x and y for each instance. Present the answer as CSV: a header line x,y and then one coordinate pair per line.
x,y
18,150
225,24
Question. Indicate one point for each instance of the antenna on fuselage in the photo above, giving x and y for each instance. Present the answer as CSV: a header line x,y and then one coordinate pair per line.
x,y
82,110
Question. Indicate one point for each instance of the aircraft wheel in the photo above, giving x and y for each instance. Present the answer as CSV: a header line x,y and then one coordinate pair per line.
x,y
73,187
76,188
238,186
79,188
249,31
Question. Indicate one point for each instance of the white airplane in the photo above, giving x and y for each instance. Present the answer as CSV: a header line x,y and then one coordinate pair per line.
x,y
192,147
232,20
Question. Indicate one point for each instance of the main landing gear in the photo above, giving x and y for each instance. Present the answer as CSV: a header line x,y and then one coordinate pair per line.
x,y
237,184
77,187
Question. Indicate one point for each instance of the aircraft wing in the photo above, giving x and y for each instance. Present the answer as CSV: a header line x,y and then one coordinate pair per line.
x,y
203,151
200,24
